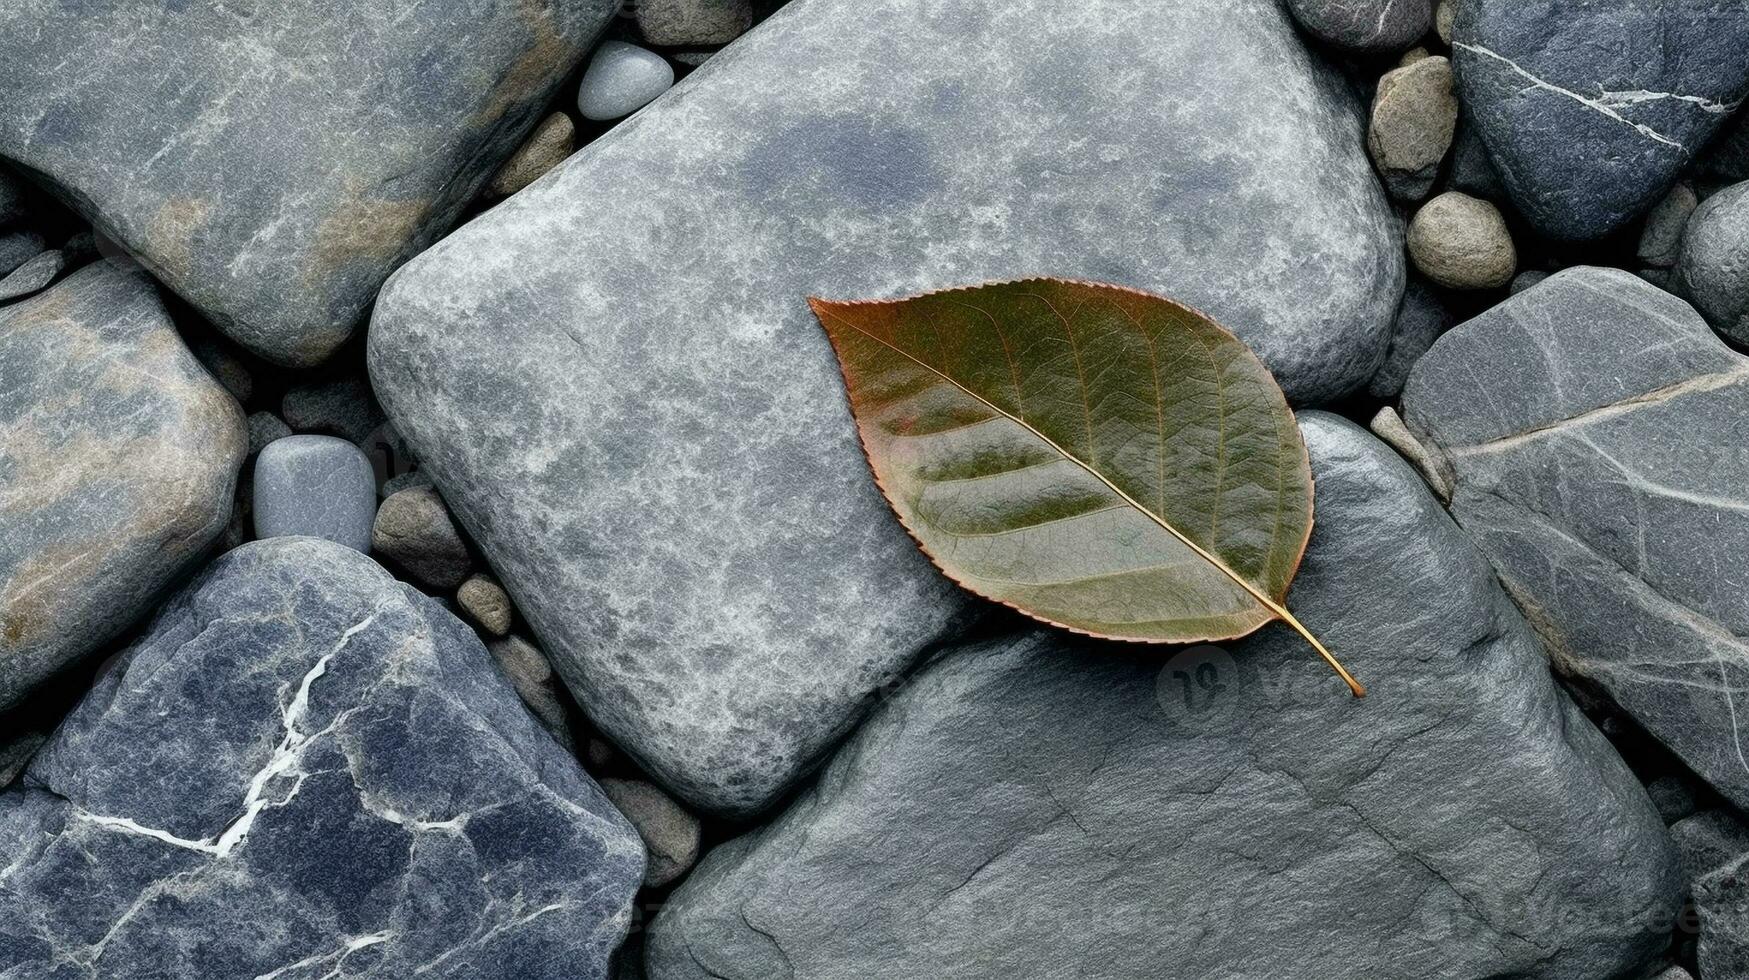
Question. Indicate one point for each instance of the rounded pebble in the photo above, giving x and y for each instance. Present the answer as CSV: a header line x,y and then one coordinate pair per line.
x,y
1461,242
668,830
621,79
316,486
692,23
414,530
1365,26
486,603
1414,116
1713,270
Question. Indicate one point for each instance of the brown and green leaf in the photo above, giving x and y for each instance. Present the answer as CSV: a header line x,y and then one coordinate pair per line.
x,y
1099,458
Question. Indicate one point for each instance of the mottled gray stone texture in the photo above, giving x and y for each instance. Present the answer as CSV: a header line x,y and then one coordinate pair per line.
x,y
274,162
1421,318
1713,268
1365,26
315,486
307,770
1590,108
1048,807
118,461
645,429
1593,429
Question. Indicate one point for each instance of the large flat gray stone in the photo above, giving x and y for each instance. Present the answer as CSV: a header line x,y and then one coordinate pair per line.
x,y
1592,425
274,162
118,461
616,382
306,769
1048,807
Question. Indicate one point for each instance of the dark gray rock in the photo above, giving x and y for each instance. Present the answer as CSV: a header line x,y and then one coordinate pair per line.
x,y
315,486
1713,268
1708,841
1661,236
1049,807
1590,109
14,199
414,530
1590,425
692,23
1674,796
306,769
16,751
911,147
118,458
1471,171
1421,318
293,154
265,428
1526,280
1722,900
34,275
1365,26
342,406
1414,114
18,247
222,362
670,833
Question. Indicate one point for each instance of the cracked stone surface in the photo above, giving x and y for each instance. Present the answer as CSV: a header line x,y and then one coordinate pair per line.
x,y
1029,806
118,462
694,535
295,153
308,770
1590,109
1592,429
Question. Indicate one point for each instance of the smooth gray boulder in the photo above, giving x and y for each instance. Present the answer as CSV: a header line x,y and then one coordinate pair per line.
x,y
695,536
118,461
315,486
274,162
1590,108
307,769
1712,270
1591,429
1052,807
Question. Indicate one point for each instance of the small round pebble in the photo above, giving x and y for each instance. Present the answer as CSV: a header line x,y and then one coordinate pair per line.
x,y
1461,242
621,79
668,830
1713,269
34,275
317,486
414,530
1413,55
485,602
536,684
1443,19
547,147
1414,116
403,481
1365,26
690,23
1661,237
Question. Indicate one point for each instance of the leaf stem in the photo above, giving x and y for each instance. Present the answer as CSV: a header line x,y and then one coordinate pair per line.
x,y
1288,618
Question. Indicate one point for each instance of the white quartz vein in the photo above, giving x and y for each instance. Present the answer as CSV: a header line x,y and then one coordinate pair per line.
x,y
1607,102
286,759
1689,386
347,949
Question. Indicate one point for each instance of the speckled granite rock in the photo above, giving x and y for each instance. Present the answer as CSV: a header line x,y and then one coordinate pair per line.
x,y
307,769
1590,108
118,459
1028,808
292,153
1591,425
722,597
